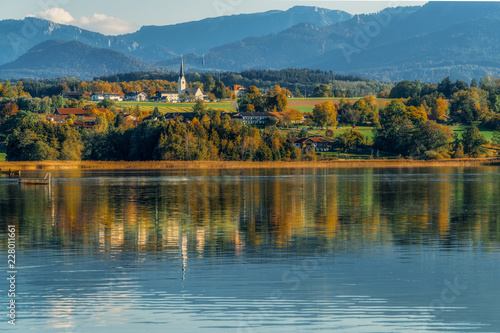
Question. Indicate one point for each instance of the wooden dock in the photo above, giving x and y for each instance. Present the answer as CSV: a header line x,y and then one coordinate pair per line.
x,y
35,181
11,173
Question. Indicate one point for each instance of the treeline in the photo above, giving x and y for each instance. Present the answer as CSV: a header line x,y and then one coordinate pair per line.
x,y
476,103
209,136
406,130
303,81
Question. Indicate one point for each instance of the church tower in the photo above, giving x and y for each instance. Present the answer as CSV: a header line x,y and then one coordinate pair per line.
x,y
182,80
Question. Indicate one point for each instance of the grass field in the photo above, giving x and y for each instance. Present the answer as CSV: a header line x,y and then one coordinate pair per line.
x,y
176,107
488,134
367,131
3,155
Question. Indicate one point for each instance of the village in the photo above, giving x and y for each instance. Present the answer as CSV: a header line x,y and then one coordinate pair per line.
x,y
85,118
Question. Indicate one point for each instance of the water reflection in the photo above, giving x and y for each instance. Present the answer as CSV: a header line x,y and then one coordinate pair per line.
x,y
258,250
238,210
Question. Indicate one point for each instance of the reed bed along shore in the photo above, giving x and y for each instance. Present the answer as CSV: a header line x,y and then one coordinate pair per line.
x,y
164,165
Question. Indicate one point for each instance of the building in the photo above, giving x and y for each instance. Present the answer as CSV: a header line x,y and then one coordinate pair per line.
x,y
79,112
255,118
167,96
72,95
70,111
97,97
238,90
136,96
308,144
193,94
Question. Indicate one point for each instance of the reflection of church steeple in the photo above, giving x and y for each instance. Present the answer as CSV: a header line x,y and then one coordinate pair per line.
x,y
182,79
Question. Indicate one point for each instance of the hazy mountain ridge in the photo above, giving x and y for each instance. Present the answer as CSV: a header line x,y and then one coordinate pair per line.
x,y
160,43
439,39
52,59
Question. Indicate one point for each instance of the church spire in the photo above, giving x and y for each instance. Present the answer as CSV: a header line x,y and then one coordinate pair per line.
x,y
181,74
182,80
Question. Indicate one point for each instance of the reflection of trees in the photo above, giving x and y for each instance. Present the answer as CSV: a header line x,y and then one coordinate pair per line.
x,y
237,211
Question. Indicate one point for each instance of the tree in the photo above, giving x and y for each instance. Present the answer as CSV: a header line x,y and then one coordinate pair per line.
x,y
209,83
469,105
349,141
251,101
325,114
439,110
292,116
106,104
322,90
277,102
220,90
472,141
297,94
430,136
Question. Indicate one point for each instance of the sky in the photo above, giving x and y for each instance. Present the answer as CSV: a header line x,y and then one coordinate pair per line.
x,y
115,17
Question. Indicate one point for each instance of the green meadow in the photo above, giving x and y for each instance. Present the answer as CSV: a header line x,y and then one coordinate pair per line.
x,y
3,155
176,107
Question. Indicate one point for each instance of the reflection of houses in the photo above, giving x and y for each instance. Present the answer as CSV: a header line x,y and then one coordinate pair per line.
x,y
137,96
255,118
308,144
97,97
238,90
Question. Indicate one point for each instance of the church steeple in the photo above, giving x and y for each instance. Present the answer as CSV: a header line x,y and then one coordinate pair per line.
x,y
181,74
182,80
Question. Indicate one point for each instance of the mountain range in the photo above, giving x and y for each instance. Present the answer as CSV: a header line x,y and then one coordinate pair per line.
x,y
438,39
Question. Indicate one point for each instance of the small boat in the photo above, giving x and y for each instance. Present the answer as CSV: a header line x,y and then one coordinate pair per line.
x,y
36,181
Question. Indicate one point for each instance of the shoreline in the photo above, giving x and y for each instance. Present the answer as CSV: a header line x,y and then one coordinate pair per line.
x,y
169,165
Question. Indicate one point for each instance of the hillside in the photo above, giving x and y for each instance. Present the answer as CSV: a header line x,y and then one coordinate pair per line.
x,y
52,59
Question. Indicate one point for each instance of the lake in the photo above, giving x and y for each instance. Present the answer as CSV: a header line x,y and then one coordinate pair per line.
x,y
272,250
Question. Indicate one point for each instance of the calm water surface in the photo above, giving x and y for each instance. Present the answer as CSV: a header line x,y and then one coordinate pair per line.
x,y
336,250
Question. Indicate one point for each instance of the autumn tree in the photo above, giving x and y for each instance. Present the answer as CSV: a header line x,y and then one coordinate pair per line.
x,y
439,110
469,105
251,101
349,141
325,114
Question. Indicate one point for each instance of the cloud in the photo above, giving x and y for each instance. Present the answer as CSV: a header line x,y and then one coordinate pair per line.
x,y
102,23
106,24
57,15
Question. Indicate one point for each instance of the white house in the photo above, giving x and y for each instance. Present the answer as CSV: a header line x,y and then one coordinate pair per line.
x,y
136,96
97,97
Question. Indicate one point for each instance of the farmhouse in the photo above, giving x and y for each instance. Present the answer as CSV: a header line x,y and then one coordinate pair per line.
x,y
136,96
168,96
308,144
69,111
254,118
238,90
